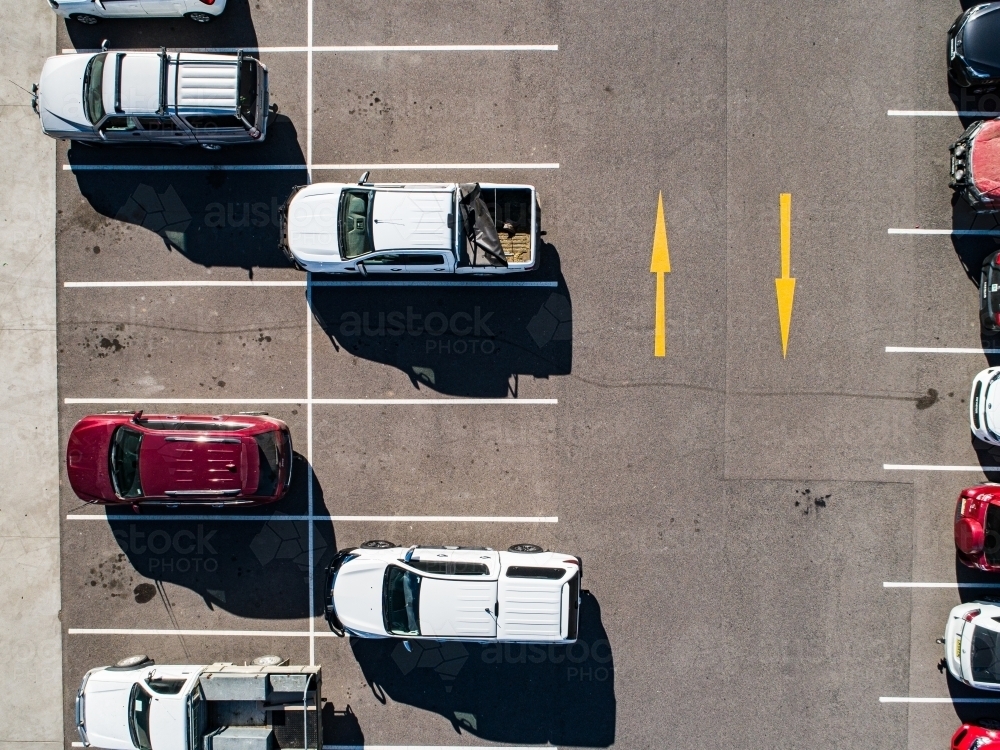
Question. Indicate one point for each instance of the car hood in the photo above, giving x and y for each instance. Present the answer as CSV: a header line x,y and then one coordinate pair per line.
x,y
180,463
87,459
106,713
357,596
986,159
979,39
312,221
991,411
60,94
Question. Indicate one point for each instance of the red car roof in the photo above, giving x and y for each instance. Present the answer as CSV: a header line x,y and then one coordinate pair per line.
x,y
986,159
190,462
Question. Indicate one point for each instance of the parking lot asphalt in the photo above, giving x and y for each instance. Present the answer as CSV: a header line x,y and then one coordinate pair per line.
x,y
733,507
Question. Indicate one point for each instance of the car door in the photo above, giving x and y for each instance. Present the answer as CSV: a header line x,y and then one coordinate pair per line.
x,y
461,603
217,129
120,8
163,130
122,129
384,263
163,8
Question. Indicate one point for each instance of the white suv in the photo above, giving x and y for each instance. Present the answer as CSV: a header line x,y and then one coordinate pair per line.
x,y
89,12
984,422
522,595
153,98
972,644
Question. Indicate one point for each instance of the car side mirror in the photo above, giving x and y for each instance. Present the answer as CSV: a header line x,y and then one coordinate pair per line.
x,y
364,178
361,268
136,416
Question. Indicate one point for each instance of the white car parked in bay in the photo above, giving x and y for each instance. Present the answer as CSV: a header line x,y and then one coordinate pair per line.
x,y
153,98
972,644
984,406
523,595
90,12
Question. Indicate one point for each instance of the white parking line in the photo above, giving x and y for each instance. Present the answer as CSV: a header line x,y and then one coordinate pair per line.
x,y
302,283
309,442
906,699
356,48
929,467
939,113
348,519
436,747
325,401
231,633
939,350
297,167
932,585
950,232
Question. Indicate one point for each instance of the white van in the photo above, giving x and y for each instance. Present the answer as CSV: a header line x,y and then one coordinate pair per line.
x,y
90,12
153,98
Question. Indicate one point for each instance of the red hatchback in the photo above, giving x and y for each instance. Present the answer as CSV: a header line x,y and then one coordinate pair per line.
x,y
176,460
974,736
977,527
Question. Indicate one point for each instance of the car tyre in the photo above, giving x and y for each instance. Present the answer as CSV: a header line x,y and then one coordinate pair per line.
x,y
133,662
199,17
271,660
377,544
85,18
525,549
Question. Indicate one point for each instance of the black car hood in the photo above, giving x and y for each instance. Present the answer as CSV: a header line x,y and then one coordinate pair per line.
x,y
981,41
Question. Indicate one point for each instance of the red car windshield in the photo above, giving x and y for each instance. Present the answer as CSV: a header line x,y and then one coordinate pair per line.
x,y
124,462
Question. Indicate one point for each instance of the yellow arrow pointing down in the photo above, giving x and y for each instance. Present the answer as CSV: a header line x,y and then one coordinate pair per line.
x,y
660,264
785,286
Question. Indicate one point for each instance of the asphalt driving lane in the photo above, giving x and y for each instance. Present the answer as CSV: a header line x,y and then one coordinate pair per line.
x,y
730,505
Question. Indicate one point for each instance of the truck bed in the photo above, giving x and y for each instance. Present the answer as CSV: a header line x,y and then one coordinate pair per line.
x,y
511,206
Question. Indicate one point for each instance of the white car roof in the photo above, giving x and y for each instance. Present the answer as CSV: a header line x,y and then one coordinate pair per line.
x,y
412,219
457,609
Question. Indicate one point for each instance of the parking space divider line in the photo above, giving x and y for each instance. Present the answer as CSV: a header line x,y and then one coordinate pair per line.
x,y
172,632
205,283
309,447
929,467
933,585
939,350
302,284
949,232
355,48
905,699
309,168
457,401
939,113
281,518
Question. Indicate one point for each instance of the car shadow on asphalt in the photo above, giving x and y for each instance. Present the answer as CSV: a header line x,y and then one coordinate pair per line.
x,y
971,250
460,341
256,567
234,28
973,100
515,693
213,216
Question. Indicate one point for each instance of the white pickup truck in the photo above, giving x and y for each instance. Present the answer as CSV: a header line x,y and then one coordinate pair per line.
x,y
136,705
395,229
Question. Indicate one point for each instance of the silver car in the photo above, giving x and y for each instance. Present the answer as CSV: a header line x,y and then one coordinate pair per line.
x,y
90,12
153,98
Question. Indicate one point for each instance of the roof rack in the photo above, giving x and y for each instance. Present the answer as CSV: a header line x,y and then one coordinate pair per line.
x,y
164,65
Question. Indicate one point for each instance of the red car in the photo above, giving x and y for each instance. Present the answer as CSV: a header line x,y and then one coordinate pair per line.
x,y
175,460
973,737
977,527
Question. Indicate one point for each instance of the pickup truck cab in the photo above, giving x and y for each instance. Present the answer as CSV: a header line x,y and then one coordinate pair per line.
x,y
90,12
475,594
397,229
147,98
136,705
975,166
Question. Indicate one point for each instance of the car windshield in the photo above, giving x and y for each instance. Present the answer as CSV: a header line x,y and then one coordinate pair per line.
x,y
198,717
268,459
138,717
985,665
93,90
355,223
401,601
125,462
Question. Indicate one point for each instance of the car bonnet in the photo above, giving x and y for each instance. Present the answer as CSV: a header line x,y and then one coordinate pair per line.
x,y
357,595
986,160
60,94
312,221
979,39
106,709
87,458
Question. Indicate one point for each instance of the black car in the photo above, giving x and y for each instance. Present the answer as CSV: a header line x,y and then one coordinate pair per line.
x,y
974,47
989,293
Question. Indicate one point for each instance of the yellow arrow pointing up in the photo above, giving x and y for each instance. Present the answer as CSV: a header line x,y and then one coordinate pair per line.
x,y
660,264
785,286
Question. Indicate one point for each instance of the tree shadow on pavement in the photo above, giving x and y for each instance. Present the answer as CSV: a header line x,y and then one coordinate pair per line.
x,y
514,693
462,341
257,569
212,216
